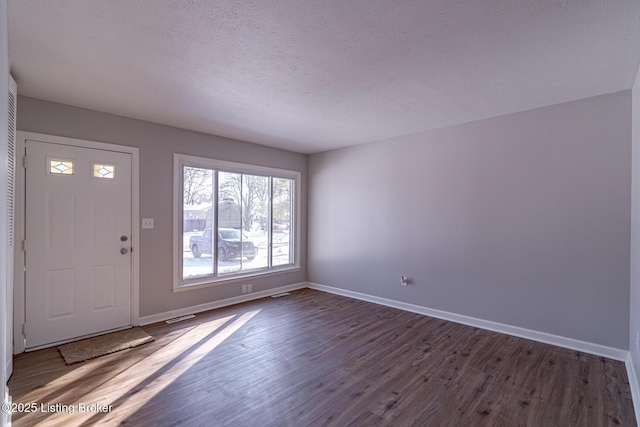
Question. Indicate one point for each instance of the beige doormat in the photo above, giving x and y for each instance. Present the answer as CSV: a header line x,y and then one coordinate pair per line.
x,y
79,351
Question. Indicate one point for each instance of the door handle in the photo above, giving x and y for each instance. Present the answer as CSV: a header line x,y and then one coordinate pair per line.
x,y
124,251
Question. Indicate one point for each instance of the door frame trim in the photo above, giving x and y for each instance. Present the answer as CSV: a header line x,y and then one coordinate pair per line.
x,y
19,302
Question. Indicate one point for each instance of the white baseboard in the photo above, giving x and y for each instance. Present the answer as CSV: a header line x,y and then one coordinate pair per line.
x,y
160,317
570,343
633,385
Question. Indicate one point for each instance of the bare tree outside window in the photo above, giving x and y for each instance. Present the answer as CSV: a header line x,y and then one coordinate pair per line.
x,y
251,191
197,185
281,223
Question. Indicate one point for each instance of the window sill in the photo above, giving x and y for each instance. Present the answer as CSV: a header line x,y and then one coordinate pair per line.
x,y
207,282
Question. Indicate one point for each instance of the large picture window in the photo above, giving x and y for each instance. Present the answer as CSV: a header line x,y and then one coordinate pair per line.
x,y
232,220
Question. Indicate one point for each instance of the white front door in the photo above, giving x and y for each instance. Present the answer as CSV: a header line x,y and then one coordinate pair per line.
x,y
78,242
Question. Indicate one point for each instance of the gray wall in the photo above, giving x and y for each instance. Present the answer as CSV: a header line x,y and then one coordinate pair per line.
x,y
157,144
634,297
522,219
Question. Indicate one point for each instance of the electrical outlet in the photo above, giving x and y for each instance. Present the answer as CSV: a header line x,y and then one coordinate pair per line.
x,y
244,289
249,287
404,280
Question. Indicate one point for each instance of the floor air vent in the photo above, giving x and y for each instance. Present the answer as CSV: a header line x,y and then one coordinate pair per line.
x,y
179,319
284,294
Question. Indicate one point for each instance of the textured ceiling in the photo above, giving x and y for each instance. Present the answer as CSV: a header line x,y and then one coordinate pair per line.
x,y
309,76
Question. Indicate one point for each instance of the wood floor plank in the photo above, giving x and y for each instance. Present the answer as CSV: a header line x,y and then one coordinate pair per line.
x,y
317,359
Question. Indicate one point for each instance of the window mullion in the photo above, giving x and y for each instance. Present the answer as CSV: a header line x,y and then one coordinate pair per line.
x,y
292,221
241,219
214,222
269,221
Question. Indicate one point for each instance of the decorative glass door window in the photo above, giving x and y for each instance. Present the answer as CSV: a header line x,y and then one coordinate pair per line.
x,y
60,167
104,171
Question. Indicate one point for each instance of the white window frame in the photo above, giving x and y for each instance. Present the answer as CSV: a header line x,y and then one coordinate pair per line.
x,y
181,160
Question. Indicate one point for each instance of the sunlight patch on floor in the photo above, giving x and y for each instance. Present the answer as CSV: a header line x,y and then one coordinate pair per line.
x,y
151,375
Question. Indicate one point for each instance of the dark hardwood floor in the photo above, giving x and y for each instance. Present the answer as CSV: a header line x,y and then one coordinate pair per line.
x,y
318,359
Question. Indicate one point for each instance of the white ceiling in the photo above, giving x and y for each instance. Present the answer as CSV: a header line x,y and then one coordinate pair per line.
x,y
309,76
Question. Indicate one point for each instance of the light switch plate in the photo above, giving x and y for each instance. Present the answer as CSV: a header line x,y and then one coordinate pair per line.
x,y
147,222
